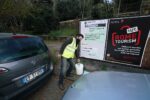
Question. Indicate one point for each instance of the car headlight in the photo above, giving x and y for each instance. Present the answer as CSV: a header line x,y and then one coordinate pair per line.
x,y
3,70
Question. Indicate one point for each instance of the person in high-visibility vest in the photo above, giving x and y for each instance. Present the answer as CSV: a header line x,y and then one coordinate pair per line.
x,y
68,51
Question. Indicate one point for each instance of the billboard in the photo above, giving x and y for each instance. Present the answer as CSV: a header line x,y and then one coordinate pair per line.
x,y
93,44
126,39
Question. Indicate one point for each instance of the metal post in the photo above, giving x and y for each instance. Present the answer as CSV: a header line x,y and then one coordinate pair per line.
x,y
141,7
83,9
119,6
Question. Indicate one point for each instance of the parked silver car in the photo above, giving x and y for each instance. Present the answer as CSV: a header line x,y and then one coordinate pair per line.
x,y
24,62
110,85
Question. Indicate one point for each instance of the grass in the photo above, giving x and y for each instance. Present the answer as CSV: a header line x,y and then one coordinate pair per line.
x,y
63,32
104,67
58,33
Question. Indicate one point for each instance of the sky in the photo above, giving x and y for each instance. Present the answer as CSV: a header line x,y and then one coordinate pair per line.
x,y
110,0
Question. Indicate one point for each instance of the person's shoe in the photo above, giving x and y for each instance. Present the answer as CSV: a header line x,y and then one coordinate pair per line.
x,y
61,86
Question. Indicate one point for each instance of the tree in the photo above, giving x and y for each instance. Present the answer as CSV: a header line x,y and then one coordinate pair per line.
x,y
27,15
98,1
11,13
68,9
42,18
102,10
86,8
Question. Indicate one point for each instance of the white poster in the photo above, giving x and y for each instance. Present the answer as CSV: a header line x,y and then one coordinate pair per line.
x,y
93,44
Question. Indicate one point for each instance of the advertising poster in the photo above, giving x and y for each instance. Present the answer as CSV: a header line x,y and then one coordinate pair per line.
x,y
126,39
93,44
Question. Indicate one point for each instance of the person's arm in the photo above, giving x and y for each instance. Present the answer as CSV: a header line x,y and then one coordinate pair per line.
x,y
68,41
77,54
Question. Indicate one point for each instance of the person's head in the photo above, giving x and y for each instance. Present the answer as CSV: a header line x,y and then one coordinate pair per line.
x,y
79,37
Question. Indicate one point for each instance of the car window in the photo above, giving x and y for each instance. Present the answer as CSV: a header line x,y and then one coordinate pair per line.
x,y
12,49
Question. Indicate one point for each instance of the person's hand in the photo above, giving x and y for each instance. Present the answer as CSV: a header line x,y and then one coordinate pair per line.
x,y
59,55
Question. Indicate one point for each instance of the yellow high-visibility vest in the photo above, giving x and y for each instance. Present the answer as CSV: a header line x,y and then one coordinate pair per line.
x,y
69,51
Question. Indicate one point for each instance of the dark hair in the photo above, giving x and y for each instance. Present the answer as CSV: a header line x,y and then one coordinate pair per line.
x,y
78,35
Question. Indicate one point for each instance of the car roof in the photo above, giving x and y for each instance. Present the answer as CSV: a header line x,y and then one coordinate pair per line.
x,y
14,34
110,85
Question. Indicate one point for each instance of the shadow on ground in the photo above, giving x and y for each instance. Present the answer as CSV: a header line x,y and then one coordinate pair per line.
x,y
50,90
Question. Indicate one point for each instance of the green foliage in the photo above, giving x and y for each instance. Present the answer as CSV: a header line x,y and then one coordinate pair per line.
x,y
102,10
98,11
42,16
86,8
26,32
104,67
15,7
41,20
98,1
11,14
68,9
25,15
63,32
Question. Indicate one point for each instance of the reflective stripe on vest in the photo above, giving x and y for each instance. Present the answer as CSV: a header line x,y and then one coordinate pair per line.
x,y
69,51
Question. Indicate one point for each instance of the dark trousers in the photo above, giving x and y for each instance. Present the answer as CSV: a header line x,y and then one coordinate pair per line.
x,y
67,66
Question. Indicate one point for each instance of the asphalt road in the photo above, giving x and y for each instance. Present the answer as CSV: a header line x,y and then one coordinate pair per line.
x,y
50,90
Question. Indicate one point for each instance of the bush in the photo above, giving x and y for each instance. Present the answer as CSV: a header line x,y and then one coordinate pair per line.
x,y
101,11
104,67
68,9
63,32
41,20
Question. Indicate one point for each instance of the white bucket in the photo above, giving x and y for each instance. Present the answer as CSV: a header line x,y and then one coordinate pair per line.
x,y
79,68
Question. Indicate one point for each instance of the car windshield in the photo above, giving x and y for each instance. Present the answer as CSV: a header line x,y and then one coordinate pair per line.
x,y
12,49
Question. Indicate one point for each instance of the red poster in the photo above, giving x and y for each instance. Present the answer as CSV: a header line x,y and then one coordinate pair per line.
x,y
126,39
